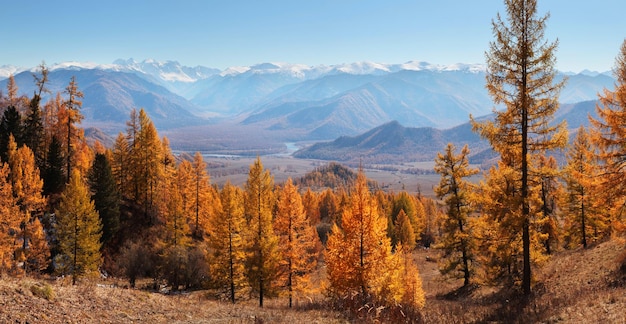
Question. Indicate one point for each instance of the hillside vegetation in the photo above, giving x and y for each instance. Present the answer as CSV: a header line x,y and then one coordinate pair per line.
x,y
577,286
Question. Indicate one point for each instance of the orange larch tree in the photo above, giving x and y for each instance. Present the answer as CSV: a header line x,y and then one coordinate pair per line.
x,y
264,254
581,174
521,77
358,254
609,134
458,238
10,219
227,241
298,241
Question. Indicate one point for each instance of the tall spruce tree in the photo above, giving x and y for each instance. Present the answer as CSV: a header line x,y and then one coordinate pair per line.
x,y
33,123
521,76
10,125
105,196
53,178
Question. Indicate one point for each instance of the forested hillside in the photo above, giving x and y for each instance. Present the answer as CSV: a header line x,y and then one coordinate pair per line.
x,y
528,242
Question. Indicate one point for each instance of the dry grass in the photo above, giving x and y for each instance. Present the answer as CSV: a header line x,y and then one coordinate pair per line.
x,y
89,303
578,286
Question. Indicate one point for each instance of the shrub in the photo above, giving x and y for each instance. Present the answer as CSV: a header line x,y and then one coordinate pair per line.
x,y
42,291
136,261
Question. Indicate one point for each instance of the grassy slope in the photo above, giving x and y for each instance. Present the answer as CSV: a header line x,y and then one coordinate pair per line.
x,y
579,286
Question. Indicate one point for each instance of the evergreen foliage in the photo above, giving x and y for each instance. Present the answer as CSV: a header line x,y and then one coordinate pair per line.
x,y
10,126
53,177
105,196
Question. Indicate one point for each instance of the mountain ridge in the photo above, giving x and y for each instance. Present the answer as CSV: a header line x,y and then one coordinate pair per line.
x,y
290,102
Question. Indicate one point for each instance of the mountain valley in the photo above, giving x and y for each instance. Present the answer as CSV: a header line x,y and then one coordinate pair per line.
x,y
360,111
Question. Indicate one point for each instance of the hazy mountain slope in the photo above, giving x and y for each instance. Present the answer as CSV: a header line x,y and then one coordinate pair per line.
x,y
417,98
393,142
110,96
576,114
584,87
292,102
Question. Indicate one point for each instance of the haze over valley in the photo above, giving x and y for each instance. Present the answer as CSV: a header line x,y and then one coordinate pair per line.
x,y
387,113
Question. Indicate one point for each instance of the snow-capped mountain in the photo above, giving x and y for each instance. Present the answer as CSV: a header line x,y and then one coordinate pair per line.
x,y
8,70
170,71
315,102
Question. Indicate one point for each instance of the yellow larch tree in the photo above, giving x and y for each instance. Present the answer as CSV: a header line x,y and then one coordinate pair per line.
x,y
413,293
227,242
10,219
403,202
310,201
609,134
145,155
27,189
551,194
264,253
177,233
78,230
583,221
358,254
71,117
458,239
185,183
298,241
404,232
202,195
521,77
37,255
120,165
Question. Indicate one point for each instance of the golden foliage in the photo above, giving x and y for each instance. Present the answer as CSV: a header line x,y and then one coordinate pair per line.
x,y
609,134
227,241
358,255
458,239
298,242
521,76
583,221
264,256
78,230
10,219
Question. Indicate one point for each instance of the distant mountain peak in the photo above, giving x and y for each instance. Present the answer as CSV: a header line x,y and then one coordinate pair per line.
x,y
8,70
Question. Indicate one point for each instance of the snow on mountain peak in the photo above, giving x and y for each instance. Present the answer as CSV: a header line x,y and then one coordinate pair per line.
x,y
73,65
425,66
7,70
173,71
363,68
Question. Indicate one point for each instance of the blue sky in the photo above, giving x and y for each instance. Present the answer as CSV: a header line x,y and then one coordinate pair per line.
x,y
238,33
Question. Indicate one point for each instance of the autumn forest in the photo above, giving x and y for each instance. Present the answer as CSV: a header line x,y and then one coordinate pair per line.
x,y
73,208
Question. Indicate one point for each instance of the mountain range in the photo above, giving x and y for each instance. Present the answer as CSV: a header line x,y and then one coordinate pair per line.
x,y
395,143
285,102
